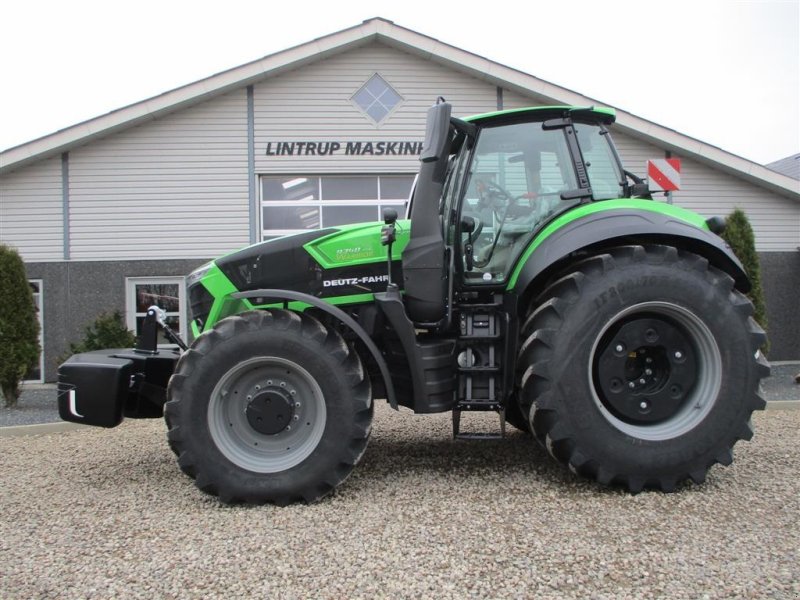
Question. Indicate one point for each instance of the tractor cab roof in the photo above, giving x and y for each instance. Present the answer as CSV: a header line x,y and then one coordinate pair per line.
x,y
591,114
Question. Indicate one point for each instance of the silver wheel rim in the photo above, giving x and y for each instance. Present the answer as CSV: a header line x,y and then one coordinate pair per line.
x,y
703,396
253,450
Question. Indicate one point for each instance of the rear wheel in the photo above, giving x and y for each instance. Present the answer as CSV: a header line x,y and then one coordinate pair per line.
x,y
641,367
515,416
270,406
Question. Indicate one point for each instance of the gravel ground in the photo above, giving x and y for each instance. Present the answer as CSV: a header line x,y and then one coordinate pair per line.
x,y
98,514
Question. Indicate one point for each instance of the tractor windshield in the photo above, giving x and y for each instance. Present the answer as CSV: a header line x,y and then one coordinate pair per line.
x,y
605,175
515,182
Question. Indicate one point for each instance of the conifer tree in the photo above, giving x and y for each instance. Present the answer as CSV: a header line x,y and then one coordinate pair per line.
x,y
739,235
19,325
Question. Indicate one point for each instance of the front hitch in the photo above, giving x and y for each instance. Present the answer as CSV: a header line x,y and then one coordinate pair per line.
x,y
147,342
104,386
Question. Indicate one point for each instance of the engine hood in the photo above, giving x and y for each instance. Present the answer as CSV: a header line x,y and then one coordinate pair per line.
x,y
323,263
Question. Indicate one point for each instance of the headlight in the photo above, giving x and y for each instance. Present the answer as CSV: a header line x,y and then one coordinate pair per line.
x,y
197,274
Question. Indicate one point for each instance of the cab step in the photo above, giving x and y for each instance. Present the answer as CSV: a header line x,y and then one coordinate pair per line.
x,y
476,405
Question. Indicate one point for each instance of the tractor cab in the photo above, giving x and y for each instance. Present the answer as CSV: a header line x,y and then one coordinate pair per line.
x,y
486,187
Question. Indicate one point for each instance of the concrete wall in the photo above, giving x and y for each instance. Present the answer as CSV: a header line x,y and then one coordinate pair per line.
x,y
780,278
75,293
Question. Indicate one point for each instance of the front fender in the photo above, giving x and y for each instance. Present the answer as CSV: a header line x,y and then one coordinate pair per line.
x,y
615,222
338,313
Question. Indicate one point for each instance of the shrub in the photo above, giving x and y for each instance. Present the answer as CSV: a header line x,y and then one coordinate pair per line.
x,y
19,325
107,331
739,235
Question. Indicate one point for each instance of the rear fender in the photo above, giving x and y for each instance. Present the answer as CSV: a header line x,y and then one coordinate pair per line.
x,y
619,224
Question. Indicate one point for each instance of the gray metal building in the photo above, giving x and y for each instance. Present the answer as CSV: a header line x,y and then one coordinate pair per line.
x,y
113,212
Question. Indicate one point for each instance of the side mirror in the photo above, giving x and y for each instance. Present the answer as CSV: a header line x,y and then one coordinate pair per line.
x,y
389,216
437,132
639,190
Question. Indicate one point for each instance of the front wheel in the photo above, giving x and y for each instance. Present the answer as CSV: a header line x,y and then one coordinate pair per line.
x,y
641,367
269,406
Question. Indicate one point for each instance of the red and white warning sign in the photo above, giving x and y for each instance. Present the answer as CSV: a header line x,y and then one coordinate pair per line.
x,y
664,174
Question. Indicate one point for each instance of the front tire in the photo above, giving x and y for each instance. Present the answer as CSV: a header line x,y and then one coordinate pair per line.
x,y
269,406
641,368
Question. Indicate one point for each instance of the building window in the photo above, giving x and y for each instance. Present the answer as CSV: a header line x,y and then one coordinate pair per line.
x,y
167,293
376,98
296,203
35,374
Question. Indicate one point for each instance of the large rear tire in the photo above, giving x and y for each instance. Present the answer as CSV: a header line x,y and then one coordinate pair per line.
x,y
269,406
641,367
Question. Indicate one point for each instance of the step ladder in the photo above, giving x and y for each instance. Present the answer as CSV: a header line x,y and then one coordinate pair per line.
x,y
479,369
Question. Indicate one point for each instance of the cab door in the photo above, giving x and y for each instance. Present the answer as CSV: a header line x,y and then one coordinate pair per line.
x,y
513,183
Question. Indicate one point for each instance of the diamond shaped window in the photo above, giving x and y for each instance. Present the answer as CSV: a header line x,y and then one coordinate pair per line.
x,y
377,98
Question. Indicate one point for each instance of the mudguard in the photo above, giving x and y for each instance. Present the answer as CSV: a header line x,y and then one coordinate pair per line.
x,y
343,317
611,223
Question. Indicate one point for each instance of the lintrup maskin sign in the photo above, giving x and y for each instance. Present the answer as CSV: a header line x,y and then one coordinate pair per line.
x,y
383,148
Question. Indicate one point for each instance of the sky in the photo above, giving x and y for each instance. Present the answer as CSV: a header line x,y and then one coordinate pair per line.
x,y
726,72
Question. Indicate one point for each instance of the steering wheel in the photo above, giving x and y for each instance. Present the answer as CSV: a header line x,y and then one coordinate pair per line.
x,y
504,204
493,195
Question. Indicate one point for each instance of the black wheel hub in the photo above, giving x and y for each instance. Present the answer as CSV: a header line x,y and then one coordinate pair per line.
x,y
270,411
645,370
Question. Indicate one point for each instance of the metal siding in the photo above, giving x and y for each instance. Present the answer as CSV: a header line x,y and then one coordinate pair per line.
x,y
512,100
635,153
775,219
314,104
710,192
173,188
31,209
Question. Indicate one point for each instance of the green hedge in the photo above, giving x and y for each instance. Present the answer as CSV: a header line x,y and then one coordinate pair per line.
x,y
107,331
739,235
19,325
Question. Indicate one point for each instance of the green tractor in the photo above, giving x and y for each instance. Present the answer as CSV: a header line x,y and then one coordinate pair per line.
x,y
534,278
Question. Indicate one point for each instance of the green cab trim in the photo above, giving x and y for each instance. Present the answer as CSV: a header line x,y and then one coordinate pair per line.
x,y
601,110
670,210
357,245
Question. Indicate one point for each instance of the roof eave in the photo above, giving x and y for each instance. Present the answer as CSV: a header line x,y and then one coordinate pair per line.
x,y
193,93
410,41
548,93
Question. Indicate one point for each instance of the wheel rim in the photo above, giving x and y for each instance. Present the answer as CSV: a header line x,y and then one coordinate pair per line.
x,y
267,414
656,371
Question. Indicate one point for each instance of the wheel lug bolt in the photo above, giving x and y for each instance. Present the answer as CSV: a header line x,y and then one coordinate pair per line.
x,y
288,428
297,405
283,384
648,360
679,355
642,380
619,348
297,417
631,385
648,371
643,405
